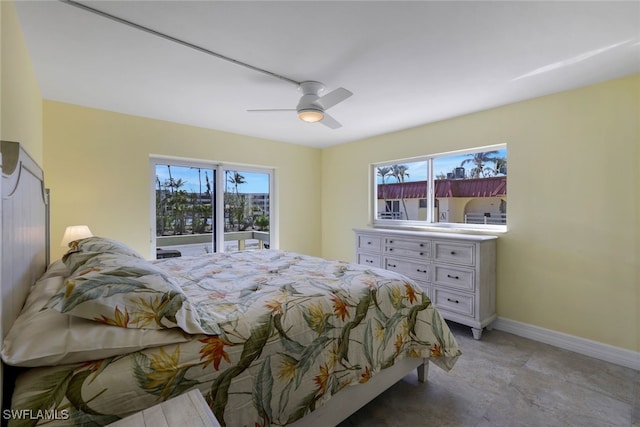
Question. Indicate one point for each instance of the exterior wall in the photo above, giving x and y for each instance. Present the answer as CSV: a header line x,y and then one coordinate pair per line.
x,y
414,212
97,165
572,268
450,209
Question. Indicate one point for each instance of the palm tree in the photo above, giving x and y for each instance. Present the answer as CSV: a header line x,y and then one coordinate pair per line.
x,y
170,177
382,173
399,172
236,179
500,166
208,184
178,203
196,207
479,159
160,206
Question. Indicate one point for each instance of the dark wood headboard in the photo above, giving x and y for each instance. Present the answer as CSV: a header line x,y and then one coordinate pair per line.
x,y
25,231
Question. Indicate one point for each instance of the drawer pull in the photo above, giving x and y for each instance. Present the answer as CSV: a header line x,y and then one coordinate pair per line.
x,y
453,300
370,261
391,265
453,252
390,249
421,271
453,277
390,241
369,242
422,245
421,253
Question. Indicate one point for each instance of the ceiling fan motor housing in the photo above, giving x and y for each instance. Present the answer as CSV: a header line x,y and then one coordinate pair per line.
x,y
311,87
310,91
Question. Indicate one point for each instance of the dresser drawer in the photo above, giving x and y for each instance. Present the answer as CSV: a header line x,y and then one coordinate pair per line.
x,y
372,243
415,270
370,260
403,252
453,301
455,278
455,253
408,247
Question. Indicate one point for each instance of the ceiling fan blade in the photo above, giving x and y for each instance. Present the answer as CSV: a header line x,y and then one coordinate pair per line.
x,y
330,122
270,110
334,97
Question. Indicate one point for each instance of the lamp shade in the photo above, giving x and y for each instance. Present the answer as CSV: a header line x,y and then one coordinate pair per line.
x,y
75,232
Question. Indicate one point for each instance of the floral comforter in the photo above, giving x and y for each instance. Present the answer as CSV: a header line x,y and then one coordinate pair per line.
x,y
293,330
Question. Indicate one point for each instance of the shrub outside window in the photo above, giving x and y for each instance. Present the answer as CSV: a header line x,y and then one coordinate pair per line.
x,y
464,189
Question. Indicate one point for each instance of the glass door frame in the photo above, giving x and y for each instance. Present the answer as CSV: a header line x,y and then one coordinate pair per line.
x,y
219,169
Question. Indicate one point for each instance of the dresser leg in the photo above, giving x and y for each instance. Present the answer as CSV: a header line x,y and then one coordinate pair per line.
x,y
477,333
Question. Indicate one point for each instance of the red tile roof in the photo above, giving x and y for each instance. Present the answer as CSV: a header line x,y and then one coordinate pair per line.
x,y
475,187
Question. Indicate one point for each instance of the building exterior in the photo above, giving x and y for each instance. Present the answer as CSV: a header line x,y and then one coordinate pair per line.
x,y
472,200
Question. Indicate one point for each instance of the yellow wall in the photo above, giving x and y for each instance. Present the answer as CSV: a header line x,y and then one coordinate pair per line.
x,y
569,261
20,98
97,166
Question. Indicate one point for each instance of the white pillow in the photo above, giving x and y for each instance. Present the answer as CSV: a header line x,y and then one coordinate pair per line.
x,y
47,337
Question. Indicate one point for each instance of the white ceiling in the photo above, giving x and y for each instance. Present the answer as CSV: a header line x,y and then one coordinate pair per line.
x,y
407,63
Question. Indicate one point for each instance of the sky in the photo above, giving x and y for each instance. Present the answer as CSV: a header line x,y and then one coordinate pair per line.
x,y
255,182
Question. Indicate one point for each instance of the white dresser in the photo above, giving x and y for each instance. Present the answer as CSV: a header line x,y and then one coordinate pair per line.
x,y
457,271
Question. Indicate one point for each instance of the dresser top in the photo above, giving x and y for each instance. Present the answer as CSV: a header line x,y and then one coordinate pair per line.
x,y
427,234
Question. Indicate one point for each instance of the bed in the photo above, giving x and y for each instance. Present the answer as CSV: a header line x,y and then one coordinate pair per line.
x,y
270,337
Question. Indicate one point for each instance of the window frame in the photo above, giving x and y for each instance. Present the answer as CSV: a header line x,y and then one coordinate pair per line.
x,y
429,223
219,168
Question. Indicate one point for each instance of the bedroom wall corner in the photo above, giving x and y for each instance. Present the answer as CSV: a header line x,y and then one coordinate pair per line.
x,y
20,96
637,216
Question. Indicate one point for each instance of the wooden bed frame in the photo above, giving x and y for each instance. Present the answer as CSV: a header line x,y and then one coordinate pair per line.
x,y
24,224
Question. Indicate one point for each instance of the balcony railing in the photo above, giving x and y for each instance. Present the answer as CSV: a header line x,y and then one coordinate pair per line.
x,y
389,215
483,218
195,244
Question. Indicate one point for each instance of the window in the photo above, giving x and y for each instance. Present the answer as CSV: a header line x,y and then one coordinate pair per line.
x,y
201,208
465,189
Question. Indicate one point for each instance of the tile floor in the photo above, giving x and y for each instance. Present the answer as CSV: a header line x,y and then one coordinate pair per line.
x,y
504,380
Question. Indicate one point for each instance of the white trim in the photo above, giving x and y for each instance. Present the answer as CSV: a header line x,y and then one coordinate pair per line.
x,y
152,207
219,207
598,350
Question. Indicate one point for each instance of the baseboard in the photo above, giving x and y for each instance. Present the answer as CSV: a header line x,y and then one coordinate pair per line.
x,y
598,350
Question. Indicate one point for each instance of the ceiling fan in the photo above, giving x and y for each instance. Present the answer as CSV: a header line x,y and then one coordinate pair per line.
x,y
312,107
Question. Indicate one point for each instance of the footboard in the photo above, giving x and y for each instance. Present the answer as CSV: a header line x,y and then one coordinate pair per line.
x,y
352,398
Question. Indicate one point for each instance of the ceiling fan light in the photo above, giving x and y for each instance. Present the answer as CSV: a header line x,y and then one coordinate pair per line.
x,y
310,116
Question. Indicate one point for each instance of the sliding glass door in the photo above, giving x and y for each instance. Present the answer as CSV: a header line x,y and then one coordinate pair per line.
x,y
185,210
202,208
